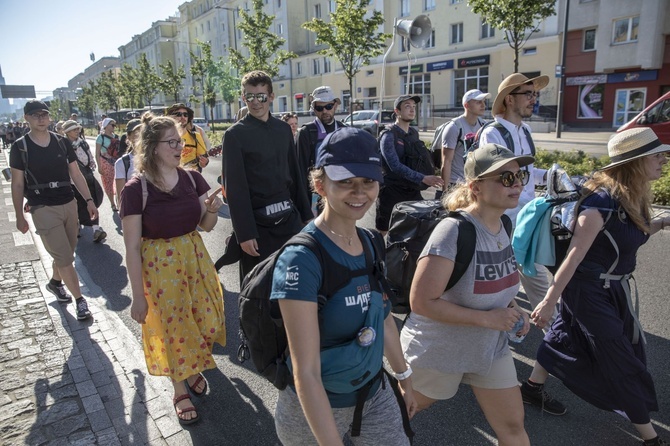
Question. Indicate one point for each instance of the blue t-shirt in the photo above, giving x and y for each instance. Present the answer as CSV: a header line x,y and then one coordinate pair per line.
x,y
298,276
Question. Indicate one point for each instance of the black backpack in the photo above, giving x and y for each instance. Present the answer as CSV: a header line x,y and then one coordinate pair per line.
x,y
412,222
506,135
28,175
262,333
436,145
417,157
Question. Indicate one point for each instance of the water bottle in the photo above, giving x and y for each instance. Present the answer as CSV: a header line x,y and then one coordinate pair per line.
x,y
512,334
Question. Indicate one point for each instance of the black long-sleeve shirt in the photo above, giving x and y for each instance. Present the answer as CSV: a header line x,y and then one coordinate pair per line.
x,y
260,168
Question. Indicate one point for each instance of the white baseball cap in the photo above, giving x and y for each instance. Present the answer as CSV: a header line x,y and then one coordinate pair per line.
x,y
474,94
324,94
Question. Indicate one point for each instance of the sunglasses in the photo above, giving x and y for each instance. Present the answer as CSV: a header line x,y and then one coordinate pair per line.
x,y
180,114
529,94
173,143
508,178
261,97
320,108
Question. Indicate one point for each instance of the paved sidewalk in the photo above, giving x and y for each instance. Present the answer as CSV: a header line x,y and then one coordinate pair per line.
x,y
63,381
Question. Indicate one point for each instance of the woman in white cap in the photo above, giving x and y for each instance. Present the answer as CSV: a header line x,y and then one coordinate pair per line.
x,y
596,346
86,162
459,335
107,146
337,348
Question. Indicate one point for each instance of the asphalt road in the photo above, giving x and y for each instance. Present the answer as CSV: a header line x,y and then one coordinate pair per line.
x,y
239,409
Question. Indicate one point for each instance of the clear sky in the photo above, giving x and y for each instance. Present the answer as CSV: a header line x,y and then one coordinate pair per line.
x,y
46,43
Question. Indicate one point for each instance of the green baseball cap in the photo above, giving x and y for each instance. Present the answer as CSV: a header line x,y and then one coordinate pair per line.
x,y
489,158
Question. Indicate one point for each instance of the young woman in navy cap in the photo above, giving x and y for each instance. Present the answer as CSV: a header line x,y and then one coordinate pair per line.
x,y
321,405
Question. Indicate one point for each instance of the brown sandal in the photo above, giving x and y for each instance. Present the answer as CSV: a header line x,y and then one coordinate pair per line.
x,y
195,385
180,412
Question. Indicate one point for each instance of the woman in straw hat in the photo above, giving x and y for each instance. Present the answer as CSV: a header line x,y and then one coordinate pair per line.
x,y
460,335
596,345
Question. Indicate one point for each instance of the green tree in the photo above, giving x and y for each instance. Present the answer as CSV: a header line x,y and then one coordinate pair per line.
x,y
226,82
201,67
86,100
56,109
263,45
350,37
518,19
107,91
147,80
171,81
129,87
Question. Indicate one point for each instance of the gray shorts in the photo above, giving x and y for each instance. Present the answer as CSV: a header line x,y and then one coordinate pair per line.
x,y
381,425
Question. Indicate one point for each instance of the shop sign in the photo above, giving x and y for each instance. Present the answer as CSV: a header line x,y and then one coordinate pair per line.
x,y
474,61
441,65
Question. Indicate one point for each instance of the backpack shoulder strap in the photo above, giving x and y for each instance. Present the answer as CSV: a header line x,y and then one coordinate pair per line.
x,y
529,138
145,191
190,177
507,224
506,135
126,163
465,247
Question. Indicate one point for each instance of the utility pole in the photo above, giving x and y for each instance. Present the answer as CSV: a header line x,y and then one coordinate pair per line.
x,y
561,88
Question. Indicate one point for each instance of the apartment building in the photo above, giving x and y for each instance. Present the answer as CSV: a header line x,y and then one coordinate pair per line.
x,y
617,60
158,44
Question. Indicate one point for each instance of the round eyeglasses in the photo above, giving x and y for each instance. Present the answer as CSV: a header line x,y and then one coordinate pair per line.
x,y
508,178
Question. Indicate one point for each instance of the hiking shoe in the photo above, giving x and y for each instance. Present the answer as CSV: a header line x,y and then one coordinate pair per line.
x,y
540,398
59,292
99,235
655,442
82,309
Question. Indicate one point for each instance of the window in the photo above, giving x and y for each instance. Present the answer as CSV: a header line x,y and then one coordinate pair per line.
x,y
589,40
404,8
431,40
316,66
208,26
332,5
346,99
326,65
530,51
278,3
487,31
298,68
628,104
223,26
625,30
428,5
456,33
300,104
469,79
404,45
280,28
418,84
317,11
453,2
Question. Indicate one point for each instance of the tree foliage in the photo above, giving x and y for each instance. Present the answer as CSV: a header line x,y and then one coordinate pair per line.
x,y
128,87
226,81
201,69
518,19
170,83
107,92
147,80
86,100
263,45
350,37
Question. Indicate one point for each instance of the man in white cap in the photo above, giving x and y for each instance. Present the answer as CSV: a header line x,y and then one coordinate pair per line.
x,y
456,133
324,106
516,98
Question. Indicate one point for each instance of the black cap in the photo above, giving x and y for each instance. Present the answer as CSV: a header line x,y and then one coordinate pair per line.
x,y
350,152
404,98
34,106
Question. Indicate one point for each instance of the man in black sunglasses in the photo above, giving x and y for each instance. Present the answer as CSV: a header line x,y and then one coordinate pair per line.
x,y
309,137
516,98
263,183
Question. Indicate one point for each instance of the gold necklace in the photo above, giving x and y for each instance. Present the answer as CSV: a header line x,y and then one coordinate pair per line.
x,y
348,239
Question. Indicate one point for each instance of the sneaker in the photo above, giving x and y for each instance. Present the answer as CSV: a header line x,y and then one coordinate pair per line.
x,y
59,292
82,309
540,398
655,442
99,235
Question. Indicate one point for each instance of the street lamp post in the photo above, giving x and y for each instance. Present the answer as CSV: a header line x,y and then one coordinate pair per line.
x,y
234,11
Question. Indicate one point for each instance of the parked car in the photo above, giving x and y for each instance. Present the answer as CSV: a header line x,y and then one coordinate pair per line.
x,y
369,120
656,117
202,123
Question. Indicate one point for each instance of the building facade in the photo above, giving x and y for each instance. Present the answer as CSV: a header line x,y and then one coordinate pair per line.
x,y
617,60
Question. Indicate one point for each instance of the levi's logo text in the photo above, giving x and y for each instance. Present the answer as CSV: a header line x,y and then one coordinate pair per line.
x,y
362,298
495,271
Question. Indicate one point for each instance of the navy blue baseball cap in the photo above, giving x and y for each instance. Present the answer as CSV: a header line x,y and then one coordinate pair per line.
x,y
350,152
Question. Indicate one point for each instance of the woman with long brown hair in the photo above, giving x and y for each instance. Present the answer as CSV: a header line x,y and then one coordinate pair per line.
x,y
177,296
596,346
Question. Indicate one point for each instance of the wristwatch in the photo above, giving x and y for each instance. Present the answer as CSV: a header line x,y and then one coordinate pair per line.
x,y
404,375
89,199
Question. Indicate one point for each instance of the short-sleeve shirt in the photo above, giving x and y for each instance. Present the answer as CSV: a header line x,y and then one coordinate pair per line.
x,y
298,276
47,164
120,168
491,281
167,214
104,142
451,140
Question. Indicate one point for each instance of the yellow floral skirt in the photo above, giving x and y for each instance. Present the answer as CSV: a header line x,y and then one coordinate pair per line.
x,y
185,299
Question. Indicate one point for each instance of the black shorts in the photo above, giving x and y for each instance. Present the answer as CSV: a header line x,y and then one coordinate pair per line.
x,y
389,196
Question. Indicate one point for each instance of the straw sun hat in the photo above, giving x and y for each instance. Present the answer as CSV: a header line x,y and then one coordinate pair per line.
x,y
510,83
632,144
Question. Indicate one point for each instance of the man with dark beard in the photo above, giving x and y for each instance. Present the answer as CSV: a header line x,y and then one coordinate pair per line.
x,y
400,145
309,136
